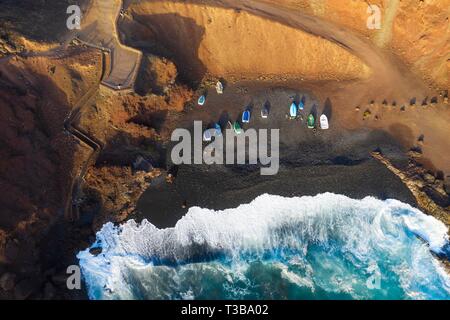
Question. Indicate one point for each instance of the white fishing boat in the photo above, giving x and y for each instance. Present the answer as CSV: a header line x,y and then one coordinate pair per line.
x,y
219,87
324,122
293,110
264,113
207,135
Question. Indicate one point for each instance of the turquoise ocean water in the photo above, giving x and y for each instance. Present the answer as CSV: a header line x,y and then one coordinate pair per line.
x,y
323,247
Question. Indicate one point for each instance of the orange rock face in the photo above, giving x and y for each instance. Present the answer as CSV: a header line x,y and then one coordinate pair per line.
x,y
226,42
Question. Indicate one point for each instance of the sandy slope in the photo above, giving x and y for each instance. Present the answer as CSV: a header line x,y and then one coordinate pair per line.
x,y
212,36
227,42
416,30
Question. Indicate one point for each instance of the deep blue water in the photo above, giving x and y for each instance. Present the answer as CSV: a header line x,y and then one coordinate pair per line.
x,y
323,247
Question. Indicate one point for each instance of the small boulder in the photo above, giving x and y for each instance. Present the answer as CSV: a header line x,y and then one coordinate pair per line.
x,y
142,164
447,185
7,281
429,178
420,141
95,251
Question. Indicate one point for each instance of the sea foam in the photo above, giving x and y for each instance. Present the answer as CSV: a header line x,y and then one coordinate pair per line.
x,y
325,247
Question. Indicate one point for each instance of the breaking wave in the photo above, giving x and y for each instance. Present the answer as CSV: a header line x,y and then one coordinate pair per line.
x,y
323,247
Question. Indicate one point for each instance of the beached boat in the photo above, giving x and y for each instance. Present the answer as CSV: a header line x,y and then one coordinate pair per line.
x,y
219,87
218,129
301,104
324,122
264,112
293,110
207,135
246,116
201,100
311,121
237,128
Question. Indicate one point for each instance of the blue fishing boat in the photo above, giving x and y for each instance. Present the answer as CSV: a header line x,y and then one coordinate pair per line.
x,y
246,116
201,100
301,104
218,129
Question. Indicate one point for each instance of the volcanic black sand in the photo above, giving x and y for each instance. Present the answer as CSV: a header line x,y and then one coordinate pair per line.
x,y
220,188
306,168
312,161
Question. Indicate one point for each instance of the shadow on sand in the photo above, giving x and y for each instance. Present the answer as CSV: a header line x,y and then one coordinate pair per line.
x,y
328,109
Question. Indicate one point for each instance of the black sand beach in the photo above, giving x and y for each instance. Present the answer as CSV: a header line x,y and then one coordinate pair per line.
x,y
312,161
219,187
340,164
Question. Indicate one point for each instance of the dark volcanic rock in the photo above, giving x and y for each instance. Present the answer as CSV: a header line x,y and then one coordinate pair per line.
x,y
25,288
7,281
49,291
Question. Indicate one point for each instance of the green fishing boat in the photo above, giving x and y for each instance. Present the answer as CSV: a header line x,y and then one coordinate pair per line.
x,y
310,121
237,128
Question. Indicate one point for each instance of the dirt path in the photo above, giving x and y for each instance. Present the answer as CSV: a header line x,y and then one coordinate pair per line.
x,y
99,30
70,125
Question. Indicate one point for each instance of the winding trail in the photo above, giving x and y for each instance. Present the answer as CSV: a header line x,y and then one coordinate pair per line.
x,y
120,65
71,210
